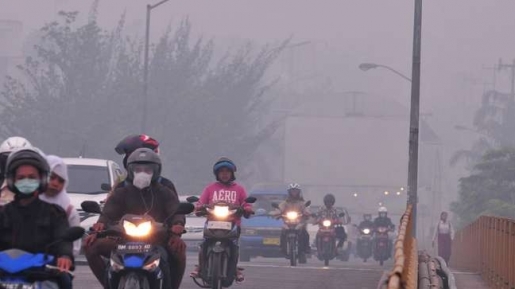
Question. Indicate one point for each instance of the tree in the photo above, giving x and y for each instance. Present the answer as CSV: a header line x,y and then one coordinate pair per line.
x,y
495,122
83,89
490,189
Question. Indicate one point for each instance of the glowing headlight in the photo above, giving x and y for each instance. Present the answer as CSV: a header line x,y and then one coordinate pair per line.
x,y
292,215
221,211
366,231
140,230
152,265
326,223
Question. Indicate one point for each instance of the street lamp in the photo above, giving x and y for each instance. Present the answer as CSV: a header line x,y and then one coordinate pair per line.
x,y
145,71
368,66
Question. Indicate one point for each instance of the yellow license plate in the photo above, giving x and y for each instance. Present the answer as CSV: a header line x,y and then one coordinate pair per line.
x,y
271,241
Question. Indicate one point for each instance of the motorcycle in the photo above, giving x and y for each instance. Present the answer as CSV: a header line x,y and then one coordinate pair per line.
x,y
326,237
23,270
220,233
292,227
382,245
364,246
134,263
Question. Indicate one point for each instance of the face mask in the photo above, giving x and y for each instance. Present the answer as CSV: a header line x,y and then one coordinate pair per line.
x,y
27,186
142,180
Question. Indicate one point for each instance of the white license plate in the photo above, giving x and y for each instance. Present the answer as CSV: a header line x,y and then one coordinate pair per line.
x,y
16,285
219,225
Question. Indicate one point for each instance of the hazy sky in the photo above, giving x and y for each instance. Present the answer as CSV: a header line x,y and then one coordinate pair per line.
x,y
459,36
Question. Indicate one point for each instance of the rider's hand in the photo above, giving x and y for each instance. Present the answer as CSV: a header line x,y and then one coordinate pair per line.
x,y
90,239
98,227
64,263
177,229
177,246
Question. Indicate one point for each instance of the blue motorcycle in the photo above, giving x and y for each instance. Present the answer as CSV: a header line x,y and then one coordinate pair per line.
x,y
23,270
134,263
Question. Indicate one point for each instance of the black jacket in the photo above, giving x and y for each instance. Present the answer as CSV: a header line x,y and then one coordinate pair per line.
x,y
366,224
31,228
157,200
383,222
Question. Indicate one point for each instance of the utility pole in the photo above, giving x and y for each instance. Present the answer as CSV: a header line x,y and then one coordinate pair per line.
x,y
414,114
512,67
145,66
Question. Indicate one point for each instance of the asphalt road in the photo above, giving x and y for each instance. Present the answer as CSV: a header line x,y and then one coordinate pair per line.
x,y
275,273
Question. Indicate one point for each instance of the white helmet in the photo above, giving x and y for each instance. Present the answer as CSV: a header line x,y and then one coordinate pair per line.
x,y
382,210
294,186
13,143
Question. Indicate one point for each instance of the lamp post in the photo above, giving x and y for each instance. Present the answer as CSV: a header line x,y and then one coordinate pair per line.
x,y
145,67
368,66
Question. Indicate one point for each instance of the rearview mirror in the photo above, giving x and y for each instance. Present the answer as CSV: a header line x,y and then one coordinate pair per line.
x,y
91,207
105,187
72,234
192,199
185,208
308,203
275,205
250,200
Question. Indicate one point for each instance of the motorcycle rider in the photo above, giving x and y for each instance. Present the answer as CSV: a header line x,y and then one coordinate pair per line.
x,y
56,194
126,147
28,223
143,194
328,211
6,148
224,189
383,221
366,223
296,202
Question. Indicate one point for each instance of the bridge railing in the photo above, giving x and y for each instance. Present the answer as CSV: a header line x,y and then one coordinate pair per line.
x,y
405,270
487,246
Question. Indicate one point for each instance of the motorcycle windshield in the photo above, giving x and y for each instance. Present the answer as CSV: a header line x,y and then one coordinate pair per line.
x,y
15,260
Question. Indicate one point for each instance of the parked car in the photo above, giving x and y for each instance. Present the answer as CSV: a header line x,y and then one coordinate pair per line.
x,y
260,234
90,180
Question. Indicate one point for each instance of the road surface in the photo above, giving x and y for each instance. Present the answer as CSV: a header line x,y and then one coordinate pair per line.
x,y
275,273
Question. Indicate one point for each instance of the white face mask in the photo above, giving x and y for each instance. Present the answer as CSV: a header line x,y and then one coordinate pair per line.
x,y
142,180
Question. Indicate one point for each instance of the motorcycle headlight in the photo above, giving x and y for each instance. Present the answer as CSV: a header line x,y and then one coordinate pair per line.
x,y
366,231
221,211
326,223
292,215
152,265
115,266
140,230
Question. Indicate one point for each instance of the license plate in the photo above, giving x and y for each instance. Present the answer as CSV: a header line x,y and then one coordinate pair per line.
x,y
16,285
218,225
134,248
271,241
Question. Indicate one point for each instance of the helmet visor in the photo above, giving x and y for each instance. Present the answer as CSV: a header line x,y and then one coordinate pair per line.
x,y
142,168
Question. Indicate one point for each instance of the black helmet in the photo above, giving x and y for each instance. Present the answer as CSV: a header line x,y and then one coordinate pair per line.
x,y
144,156
367,217
26,156
133,142
224,163
329,200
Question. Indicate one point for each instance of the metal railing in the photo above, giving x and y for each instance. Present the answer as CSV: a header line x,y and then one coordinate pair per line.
x,y
405,270
487,246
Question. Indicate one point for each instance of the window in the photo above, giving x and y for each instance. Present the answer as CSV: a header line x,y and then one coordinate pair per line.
x,y
87,179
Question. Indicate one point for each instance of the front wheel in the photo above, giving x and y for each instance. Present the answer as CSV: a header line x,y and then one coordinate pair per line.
x,y
216,263
132,281
326,262
381,262
292,252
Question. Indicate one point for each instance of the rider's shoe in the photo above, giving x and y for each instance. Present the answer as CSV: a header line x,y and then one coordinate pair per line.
x,y
239,275
195,272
